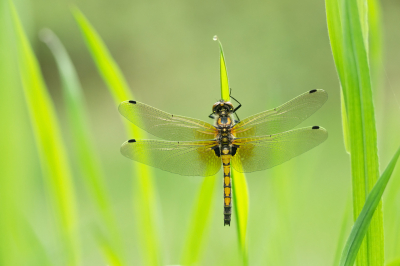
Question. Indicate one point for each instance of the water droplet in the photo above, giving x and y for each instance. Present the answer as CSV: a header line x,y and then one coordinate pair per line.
x,y
215,37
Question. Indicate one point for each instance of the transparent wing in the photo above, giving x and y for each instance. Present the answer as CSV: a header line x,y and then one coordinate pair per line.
x,y
190,158
260,153
282,118
165,125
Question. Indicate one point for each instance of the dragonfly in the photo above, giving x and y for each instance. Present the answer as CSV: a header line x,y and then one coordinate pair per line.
x,y
191,147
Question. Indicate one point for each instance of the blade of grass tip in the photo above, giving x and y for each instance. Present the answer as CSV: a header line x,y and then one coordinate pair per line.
x,y
199,221
239,183
225,95
363,221
362,129
200,217
143,194
87,158
50,147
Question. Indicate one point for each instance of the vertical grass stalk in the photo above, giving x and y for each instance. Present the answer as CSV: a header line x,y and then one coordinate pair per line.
x,y
143,188
348,32
239,183
87,158
50,146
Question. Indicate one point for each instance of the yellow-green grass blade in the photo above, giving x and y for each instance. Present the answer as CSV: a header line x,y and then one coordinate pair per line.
x,y
17,234
375,44
49,144
394,263
241,203
199,221
354,74
345,123
239,183
143,191
360,227
363,138
333,17
86,155
225,95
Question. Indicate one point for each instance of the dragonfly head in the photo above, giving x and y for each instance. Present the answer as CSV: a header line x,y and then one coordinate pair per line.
x,y
222,108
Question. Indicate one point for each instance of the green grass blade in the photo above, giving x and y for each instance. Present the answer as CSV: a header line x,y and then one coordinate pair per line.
x,y
225,95
199,221
241,203
144,199
394,263
375,41
49,144
333,17
106,65
364,153
361,225
86,155
17,235
239,183
353,68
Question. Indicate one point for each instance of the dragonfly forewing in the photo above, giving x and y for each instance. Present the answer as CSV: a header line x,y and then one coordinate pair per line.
x,y
165,125
260,153
282,118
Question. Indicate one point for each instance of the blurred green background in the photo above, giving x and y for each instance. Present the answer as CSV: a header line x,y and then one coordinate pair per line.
x,y
274,51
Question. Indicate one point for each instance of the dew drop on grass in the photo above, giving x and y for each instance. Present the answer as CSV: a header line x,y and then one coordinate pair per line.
x,y
215,37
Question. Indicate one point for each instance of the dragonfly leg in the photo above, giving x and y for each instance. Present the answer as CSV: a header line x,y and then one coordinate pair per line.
x,y
237,108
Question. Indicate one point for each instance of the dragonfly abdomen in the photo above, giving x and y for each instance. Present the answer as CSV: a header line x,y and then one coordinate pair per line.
x,y
226,162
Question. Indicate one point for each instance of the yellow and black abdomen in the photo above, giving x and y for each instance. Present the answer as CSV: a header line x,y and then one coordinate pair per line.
x,y
226,162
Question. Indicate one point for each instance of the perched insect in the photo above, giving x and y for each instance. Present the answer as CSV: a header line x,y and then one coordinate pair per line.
x,y
196,148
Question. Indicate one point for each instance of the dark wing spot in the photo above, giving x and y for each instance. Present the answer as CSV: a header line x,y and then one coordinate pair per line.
x,y
134,102
312,91
132,140
315,127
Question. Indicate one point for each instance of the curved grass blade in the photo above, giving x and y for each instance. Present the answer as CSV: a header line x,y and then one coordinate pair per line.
x,y
49,143
223,73
347,31
241,203
239,184
375,47
199,222
362,223
87,158
17,235
143,194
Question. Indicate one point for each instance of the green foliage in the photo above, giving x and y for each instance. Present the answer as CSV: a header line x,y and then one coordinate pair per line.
x,y
200,221
361,225
51,150
144,201
239,184
90,167
348,30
